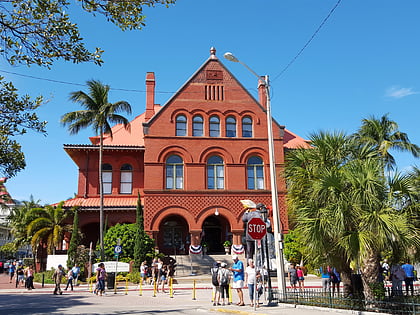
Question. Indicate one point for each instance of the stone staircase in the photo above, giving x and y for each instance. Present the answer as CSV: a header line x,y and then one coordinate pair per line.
x,y
189,265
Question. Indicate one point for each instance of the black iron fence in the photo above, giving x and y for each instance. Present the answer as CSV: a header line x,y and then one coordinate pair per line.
x,y
389,302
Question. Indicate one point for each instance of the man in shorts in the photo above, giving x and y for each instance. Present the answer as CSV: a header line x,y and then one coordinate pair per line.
x,y
238,278
293,278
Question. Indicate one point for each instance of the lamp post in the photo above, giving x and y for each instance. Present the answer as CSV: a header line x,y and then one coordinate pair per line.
x,y
278,245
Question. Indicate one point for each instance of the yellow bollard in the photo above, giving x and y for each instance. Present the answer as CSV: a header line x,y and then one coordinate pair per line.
x,y
230,294
193,290
126,285
141,287
154,287
171,288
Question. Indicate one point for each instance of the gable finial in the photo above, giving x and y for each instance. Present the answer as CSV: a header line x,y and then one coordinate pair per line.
x,y
212,52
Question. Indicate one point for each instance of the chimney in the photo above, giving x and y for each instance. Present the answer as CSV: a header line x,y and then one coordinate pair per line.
x,y
150,95
262,93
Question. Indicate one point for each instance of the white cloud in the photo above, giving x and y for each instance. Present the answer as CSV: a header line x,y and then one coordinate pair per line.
x,y
399,92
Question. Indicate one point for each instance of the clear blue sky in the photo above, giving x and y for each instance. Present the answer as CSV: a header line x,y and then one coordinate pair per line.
x,y
364,61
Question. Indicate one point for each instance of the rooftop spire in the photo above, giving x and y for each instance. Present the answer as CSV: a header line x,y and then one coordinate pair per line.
x,y
213,53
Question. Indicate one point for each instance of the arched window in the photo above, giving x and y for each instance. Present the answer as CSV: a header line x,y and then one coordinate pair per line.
x,y
247,127
181,125
126,180
230,126
174,172
214,126
198,126
255,173
215,173
107,178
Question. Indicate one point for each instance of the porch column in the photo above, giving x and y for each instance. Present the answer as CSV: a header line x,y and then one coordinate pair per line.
x,y
195,237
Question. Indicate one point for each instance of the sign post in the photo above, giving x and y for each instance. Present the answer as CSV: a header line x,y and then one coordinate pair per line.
x,y
257,229
117,252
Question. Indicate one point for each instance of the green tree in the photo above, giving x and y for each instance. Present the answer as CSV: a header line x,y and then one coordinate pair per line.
x,y
39,33
140,249
99,113
74,241
344,207
47,227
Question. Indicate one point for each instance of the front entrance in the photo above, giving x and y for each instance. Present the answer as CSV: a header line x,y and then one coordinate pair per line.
x,y
173,236
216,230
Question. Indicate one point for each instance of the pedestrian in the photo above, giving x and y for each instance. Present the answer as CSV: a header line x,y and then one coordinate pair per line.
x,y
100,279
70,277
163,277
301,278
224,280
143,272
409,277
385,269
214,271
20,276
335,281
29,274
397,277
293,278
325,278
12,268
251,280
57,277
238,278
76,273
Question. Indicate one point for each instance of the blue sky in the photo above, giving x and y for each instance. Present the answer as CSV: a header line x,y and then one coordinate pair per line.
x,y
364,61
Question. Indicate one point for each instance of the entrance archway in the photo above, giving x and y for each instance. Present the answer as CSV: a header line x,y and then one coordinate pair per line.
x,y
173,237
216,230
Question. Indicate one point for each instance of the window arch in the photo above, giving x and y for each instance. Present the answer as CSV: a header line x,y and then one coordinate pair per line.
x,y
215,173
247,127
174,172
214,125
255,173
107,178
126,179
230,126
198,126
181,125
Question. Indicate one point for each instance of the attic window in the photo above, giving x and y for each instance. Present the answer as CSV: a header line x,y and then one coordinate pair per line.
x,y
214,92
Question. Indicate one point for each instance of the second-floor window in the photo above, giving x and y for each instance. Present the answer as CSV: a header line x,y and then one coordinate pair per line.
x,y
106,178
247,127
215,173
181,125
230,126
174,172
126,180
255,173
214,126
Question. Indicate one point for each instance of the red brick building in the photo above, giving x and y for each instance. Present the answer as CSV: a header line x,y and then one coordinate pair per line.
x,y
191,160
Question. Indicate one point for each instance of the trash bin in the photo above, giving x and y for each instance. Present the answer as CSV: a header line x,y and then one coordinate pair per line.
x,y
110,280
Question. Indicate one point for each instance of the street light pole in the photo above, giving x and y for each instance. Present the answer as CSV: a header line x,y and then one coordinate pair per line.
x,y
278,245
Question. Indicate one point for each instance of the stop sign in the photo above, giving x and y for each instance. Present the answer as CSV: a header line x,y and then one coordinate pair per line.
x,y
256,228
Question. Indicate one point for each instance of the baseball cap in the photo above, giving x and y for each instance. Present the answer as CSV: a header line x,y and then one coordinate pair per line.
x,y
234,257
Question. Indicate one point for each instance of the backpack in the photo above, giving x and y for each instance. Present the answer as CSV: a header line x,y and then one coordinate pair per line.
x,y
224,279
214,272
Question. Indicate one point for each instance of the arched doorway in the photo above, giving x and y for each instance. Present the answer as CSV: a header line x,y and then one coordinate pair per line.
x,y
90,233
216,230
173,237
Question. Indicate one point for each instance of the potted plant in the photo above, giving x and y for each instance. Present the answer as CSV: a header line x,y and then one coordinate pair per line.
x,y
227,245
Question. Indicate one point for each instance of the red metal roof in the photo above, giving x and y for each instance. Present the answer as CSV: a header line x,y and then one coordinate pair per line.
x,y
293,141
109,201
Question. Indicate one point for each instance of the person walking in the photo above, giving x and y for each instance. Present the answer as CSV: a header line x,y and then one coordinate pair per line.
x,y
238,278
57,277
335,281
251,280
100,279
301,278
224,280
143,272
163,277
76,273
12,269
293,278
70,277
215,283
325,278
397,277
29,274
20,276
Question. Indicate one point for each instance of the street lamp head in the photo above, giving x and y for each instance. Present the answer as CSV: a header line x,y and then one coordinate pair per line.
x,y
229,56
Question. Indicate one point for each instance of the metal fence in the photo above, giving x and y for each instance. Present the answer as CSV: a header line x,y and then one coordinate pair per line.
x,y
389,303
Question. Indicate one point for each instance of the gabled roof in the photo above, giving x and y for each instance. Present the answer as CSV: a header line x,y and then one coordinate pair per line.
x,y
293,141
133,136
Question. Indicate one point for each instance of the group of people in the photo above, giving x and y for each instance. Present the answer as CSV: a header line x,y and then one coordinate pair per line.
x,y
158,274
71,275
397,274
222,276
21,275
297,276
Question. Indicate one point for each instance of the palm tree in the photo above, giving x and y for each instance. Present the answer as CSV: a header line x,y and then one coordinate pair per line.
x,y
99,113
344,208
47,227
384,135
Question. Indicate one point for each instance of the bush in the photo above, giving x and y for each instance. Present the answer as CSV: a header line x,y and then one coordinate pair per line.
x,y
47,276
134,277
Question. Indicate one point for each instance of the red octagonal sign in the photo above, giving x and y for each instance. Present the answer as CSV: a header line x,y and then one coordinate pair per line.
x,y
256,228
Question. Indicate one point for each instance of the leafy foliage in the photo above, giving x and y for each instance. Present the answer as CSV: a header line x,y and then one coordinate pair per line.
x,y
140,249
74,241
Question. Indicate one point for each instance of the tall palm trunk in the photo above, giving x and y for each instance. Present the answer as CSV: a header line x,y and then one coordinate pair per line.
x,y
370,276
101,197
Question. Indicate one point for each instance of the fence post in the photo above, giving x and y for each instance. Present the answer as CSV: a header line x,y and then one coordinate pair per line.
x,y
171,288
43,277
126,285
193,290
141,287
154,287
